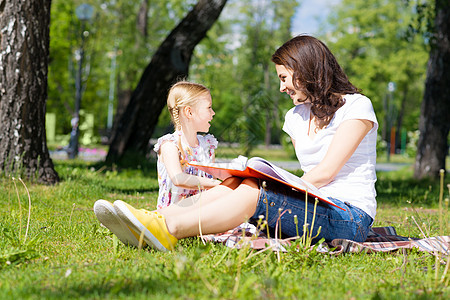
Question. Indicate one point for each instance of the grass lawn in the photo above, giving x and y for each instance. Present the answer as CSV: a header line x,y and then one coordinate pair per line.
x,y
63,252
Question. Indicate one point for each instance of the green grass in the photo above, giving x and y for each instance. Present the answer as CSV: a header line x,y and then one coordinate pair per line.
x,y
67,254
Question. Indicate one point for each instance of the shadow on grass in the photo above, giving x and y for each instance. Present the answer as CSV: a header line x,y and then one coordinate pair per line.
x,y
131,161
106,289
132,190
399,188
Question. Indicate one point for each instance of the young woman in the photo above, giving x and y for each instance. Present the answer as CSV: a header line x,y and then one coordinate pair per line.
x,y
333,129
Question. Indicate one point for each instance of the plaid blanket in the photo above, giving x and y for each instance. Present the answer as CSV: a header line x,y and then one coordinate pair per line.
x,y
380,239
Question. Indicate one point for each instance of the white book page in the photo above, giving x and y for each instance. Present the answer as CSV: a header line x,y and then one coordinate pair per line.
x,y
239,163
277,172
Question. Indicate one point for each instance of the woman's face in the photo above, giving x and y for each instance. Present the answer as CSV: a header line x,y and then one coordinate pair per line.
x,y
286,85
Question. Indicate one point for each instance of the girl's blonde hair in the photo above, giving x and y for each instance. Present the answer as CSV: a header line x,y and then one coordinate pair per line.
x,y
182,94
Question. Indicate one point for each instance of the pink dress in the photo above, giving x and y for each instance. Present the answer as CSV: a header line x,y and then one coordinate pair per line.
x,y
204,152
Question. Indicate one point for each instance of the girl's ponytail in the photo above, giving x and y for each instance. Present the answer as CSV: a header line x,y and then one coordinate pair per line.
x,y
174,112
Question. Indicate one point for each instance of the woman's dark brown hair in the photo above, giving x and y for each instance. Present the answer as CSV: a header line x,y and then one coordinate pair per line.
x,y
316,73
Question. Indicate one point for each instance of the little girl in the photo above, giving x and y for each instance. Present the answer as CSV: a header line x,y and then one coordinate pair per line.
x,y
190,108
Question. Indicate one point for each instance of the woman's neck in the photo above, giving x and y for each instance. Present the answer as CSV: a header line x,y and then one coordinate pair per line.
x,y
315,125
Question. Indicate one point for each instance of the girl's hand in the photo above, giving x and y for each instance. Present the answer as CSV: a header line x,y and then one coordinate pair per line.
x,y
170,158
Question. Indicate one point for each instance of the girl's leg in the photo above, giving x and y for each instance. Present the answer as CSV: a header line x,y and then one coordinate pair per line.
x,y
214,215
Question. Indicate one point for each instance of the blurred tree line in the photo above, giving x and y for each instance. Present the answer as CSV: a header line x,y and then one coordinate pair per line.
x,y
128,31
233,61
383,46
373,42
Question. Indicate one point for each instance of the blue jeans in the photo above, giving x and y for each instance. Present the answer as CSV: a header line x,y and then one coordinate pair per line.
x,y
276,199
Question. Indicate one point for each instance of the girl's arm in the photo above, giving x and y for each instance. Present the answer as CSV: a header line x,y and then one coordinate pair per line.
x,y
170,158
345,141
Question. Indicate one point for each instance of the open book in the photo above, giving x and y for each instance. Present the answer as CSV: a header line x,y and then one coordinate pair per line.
x,y
260,168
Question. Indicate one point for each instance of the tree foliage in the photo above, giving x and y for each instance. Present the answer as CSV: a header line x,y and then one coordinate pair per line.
x,y
236,64
114,31
223,61
370,39
376,41
170,63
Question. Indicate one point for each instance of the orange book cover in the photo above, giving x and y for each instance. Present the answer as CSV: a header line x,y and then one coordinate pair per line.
x,y
260,168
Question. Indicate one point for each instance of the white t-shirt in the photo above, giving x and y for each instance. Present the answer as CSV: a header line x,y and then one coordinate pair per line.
x,y
355,182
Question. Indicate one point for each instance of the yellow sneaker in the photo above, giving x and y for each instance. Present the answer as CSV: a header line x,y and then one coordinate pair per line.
x,y
150,223
107,215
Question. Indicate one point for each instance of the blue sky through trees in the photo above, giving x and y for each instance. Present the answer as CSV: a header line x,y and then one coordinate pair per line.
x,y
309,14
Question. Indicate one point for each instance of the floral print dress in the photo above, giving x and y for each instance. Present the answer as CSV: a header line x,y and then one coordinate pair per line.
x,y
204,152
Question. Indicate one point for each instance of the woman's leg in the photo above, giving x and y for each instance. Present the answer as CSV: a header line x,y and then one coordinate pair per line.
x,y
161,229
279,206
213,215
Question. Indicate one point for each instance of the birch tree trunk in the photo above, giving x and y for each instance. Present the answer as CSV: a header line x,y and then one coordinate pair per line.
x,y
24,51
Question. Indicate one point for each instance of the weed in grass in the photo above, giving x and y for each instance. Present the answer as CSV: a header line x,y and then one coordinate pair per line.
x,y
304,244
443,227
71,213
14,248
438,276
11,255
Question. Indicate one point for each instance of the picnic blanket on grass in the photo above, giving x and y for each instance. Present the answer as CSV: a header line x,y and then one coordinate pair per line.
x,y
380,239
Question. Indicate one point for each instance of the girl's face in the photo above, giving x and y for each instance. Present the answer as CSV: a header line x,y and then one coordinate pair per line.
x,y
203,114
286,85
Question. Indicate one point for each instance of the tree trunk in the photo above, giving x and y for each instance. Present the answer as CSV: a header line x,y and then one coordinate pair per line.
x,y
434,121
170,62
268,133
142,19
24,55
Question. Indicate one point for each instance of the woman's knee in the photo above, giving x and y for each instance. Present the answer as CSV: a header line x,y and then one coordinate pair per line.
x,y
251,182
232,182
247,194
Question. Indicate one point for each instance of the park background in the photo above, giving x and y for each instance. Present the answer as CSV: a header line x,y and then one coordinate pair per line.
x,y
51,244
378,51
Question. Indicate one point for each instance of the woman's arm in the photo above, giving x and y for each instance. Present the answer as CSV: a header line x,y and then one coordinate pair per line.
x,y
345,141
170,158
